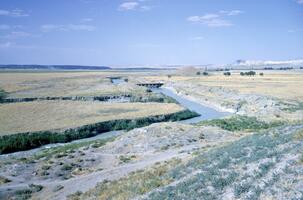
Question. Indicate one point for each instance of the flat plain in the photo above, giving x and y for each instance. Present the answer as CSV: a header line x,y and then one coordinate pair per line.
x,y
254,153
51,115
56,84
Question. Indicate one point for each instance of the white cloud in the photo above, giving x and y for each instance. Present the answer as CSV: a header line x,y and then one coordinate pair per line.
x,y
215,19
14,13
87,19
134,5
300,1
232,12
4,27
210,20
128,6
68,27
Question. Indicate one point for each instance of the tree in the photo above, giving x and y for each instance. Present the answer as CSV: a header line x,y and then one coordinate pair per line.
x,y
198,73
242,73
227,73
251,73
3,94
205,73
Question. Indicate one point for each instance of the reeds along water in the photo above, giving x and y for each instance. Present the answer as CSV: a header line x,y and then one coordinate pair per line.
x,y
30,140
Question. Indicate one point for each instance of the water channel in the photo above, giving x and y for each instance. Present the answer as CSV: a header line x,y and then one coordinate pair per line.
x,y
204,111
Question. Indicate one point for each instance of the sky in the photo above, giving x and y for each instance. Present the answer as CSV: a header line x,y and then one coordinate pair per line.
x,y
149,32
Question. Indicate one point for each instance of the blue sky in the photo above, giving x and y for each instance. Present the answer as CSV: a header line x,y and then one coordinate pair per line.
x,y
149,32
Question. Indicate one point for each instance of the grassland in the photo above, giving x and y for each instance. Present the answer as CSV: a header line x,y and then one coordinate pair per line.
x,y
256,154
67,84
52,115
281,84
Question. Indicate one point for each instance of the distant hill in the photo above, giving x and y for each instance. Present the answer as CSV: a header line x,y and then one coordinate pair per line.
x,y
256,64
52,67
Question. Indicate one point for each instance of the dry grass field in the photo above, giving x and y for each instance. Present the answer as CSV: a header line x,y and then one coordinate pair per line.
x,y
281,84
50,115
56,84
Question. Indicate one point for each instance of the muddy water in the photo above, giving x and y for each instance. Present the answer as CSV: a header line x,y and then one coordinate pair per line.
x,y
204,111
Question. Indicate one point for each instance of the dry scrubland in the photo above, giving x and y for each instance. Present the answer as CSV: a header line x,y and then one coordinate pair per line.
x,y
284,85
52,115
277,95
254,154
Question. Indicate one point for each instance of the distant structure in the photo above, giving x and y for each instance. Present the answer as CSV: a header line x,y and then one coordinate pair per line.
x,y
150,85
112,78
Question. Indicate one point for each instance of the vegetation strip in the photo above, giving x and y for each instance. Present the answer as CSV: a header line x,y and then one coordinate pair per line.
x,y
76,98
241,123
30,140
128,97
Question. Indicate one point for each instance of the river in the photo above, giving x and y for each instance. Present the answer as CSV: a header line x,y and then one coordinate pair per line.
x,y
205,112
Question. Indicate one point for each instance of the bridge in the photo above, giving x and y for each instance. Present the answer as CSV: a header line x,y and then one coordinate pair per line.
x,y
150,85
114,77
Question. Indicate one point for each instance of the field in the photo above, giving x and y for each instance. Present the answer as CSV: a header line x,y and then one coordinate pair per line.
x,y
282,85
254,153
56,84
52,115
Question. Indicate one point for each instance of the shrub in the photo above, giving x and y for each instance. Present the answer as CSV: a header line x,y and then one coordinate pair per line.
x,y
35,188
3,94
57,188
4,180
238,123
261,74
66,167
205,73
250,73
198,73
23,194
227,73
45,167
30,140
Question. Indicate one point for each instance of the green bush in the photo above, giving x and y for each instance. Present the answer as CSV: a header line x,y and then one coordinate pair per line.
x,y
3,94
30,140
250,73
227,73
238,123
